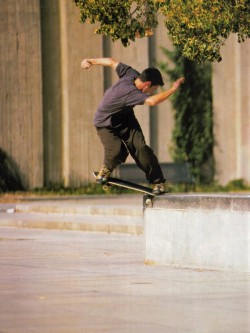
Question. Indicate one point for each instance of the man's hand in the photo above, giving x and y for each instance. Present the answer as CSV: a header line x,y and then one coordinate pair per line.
x,y
161,97
86,64
178,82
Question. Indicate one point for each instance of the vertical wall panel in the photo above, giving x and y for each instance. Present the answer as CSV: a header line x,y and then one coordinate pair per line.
x,y
84,89
245,110
231,91
52,82
20,88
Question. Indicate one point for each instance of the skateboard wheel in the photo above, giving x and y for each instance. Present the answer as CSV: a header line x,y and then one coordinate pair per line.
x,y
148,202
105,187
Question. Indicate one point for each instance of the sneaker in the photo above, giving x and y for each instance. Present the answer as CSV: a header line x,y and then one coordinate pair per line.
x,y
103,175
159,189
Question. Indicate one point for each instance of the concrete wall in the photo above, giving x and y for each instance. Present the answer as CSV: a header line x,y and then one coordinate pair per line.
x,y
21,122
47,102
199,231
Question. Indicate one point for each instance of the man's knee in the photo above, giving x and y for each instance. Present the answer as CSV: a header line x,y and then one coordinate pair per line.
x,y
116,156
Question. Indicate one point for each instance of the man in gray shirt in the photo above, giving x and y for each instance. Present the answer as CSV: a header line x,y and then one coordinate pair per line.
x,y
117,126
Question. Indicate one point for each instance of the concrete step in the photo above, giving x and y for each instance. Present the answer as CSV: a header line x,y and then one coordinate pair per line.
x,y
110,223
79,208
90,205
122,214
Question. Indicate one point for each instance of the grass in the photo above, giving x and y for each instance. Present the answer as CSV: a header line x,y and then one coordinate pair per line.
x,y
238,185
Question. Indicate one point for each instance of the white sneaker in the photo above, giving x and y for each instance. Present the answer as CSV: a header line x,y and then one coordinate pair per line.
x,y
103,175
159,189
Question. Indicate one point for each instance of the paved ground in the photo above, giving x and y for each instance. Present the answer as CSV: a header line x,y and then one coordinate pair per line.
x,y
73,281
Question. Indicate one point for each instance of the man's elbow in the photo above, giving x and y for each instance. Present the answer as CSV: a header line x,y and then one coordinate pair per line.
x,y
151,101
113,63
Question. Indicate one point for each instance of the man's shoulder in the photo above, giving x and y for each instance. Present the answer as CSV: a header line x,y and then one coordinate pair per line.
x,y
123,69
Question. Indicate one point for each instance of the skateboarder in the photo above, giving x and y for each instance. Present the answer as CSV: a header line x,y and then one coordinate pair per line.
x,y
116,124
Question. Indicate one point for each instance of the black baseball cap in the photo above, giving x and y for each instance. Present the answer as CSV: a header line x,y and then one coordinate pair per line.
x,y
153,75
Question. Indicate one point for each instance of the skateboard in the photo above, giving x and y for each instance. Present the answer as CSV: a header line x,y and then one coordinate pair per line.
x,y
131,186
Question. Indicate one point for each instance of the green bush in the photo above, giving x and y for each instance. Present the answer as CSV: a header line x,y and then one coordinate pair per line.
x,y
192,138
236,185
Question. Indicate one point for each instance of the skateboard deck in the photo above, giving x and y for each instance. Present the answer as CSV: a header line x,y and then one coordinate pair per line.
x,y
125,184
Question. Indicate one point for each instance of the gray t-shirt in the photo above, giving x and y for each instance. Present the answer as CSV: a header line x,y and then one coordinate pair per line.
x,y
119,100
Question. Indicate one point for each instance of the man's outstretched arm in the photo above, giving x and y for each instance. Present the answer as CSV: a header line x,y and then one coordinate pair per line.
x,y
161,97
87,63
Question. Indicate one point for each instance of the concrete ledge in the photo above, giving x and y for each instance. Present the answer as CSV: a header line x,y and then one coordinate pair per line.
x,y
209,231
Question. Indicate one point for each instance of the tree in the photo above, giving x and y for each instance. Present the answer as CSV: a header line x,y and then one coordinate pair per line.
x,y
198,27
192,136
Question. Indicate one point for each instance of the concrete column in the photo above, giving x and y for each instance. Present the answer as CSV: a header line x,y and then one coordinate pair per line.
x,y
84,89
245,111
231,91
52,101
161,117
21,134
72,149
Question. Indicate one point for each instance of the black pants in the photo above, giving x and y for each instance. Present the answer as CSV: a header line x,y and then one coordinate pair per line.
x,y
123,138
